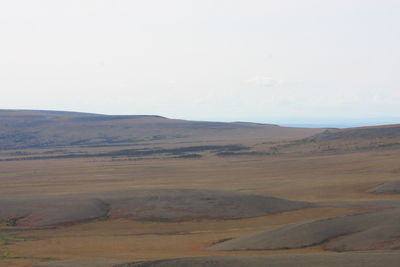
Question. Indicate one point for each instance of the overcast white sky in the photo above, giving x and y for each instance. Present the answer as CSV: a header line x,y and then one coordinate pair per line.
x,y
254,60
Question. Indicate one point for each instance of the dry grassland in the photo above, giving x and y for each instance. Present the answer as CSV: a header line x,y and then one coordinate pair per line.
x,y
332,177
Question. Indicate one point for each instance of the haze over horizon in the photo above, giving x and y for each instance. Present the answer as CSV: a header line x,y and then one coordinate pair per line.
x,y
285,62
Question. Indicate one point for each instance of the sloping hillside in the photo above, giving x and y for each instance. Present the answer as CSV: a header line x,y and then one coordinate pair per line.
x,y
38,129
375,132
367,231
377,137
345,140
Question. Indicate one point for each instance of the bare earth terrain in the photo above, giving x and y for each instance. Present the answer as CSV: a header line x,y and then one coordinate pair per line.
x,y
149,191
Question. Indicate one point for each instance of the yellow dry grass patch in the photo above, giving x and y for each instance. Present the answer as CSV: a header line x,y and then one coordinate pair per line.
x,y
17,262
326,178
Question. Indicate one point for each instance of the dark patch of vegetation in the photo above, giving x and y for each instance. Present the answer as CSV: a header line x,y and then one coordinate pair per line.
x,y
189,156
91,142
222,240
46,259
250,153
10,239
13,221
116,141
181,151
113,118
176,151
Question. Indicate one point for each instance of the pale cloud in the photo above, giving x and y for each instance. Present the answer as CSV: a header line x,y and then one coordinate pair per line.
x,y
264,81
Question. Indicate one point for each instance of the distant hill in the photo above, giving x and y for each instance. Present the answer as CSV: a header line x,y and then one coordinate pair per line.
x,y
345,140
373,132
45,129
361,138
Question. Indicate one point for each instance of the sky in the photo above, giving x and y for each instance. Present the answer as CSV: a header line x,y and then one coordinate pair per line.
x,y
281,61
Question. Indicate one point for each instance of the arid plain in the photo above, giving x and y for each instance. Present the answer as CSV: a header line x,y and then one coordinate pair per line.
x,y
203,190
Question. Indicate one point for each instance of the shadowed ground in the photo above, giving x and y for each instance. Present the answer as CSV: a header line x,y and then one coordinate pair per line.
x,y
368,231
386,188
164,204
